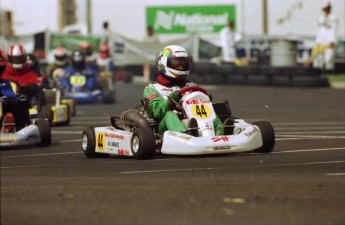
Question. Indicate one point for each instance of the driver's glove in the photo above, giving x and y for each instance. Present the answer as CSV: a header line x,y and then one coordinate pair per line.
x,y
175,95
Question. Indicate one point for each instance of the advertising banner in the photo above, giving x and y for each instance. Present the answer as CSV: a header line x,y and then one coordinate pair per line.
x,y
189,19
71,41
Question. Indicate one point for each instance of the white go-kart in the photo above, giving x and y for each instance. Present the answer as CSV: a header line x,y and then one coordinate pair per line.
x,y
135,132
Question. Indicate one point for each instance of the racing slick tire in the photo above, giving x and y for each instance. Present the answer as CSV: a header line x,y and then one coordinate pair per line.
x,y
108,96
47,112
268,136
143,143
45,131
89,143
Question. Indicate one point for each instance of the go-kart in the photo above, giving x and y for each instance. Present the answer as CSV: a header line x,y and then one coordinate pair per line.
x,y
105,90
49,103
135,132
33,132
57,110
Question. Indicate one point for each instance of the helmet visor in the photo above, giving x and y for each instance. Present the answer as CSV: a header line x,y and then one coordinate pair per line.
x,y
17,59
179,63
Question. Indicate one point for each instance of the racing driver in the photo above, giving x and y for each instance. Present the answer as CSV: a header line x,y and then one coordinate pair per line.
x,y
174,67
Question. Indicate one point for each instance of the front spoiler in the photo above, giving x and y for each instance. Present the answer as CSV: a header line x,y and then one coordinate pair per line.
x,y
26,136
176,143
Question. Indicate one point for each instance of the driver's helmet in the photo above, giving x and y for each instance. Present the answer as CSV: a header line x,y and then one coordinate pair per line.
x,y
78,59
17,57
60,56
104,51
86,48
3,61
174,63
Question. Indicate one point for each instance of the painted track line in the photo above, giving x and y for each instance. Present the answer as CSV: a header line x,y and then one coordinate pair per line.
x,y
222,168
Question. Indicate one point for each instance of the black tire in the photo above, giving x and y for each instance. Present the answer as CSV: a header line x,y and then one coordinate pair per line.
x,y
45,132
108,96
47,112
88,144
143,143
268,136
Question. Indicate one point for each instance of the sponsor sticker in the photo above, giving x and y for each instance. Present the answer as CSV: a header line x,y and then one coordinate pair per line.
x,y
100,141
221,148
250,133
220,139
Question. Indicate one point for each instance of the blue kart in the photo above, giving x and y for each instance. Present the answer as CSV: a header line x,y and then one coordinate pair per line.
x,y
87,88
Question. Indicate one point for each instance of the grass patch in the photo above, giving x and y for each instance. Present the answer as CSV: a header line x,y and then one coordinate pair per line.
x,y
334,78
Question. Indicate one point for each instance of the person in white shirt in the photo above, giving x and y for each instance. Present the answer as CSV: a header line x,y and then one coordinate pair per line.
x,y
323,53
228,40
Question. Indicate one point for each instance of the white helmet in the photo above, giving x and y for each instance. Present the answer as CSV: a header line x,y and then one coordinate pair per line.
x,y
173,62
17,57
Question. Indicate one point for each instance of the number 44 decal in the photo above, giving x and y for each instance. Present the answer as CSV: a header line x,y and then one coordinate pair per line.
x,y
201,111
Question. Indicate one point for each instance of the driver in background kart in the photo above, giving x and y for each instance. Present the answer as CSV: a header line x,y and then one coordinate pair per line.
x,y
174,67
12,108
18,70
79,67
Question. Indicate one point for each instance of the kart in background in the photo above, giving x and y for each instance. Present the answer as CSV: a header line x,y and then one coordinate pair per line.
x,y
50,104
105,90
135,132
36,131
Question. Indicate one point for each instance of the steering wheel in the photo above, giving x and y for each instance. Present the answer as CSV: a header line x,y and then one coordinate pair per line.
x,y
192,89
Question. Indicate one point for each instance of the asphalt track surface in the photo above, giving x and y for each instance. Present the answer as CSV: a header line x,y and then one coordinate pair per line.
x,y
301,182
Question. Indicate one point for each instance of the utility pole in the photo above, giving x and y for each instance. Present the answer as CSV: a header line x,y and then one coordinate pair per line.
x,y
88,16
264,17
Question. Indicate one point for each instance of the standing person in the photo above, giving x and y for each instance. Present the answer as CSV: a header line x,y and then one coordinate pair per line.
x,y
323,53
174,67
228,40
105,38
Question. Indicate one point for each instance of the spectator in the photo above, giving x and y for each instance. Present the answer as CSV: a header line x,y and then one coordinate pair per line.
x,y
105,38
323,53
228,40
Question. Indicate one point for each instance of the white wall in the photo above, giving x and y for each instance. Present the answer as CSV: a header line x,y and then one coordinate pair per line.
x,y
127,17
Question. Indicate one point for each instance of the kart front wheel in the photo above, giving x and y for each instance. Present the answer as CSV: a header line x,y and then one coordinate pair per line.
x,y
88,143
45,131
268,136
143,143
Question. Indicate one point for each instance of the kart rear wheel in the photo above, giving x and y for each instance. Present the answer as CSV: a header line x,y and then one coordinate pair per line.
x,y
47,112
88,143
143,143
108,96
45,131
268,136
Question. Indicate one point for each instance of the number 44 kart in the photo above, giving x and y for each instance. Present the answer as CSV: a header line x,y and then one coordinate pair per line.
x,y
135,132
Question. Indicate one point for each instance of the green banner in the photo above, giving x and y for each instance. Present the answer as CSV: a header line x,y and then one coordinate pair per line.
x,y
71,41
189,19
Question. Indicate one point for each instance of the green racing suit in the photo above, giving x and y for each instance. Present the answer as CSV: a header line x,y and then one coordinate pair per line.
x,y
156,96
